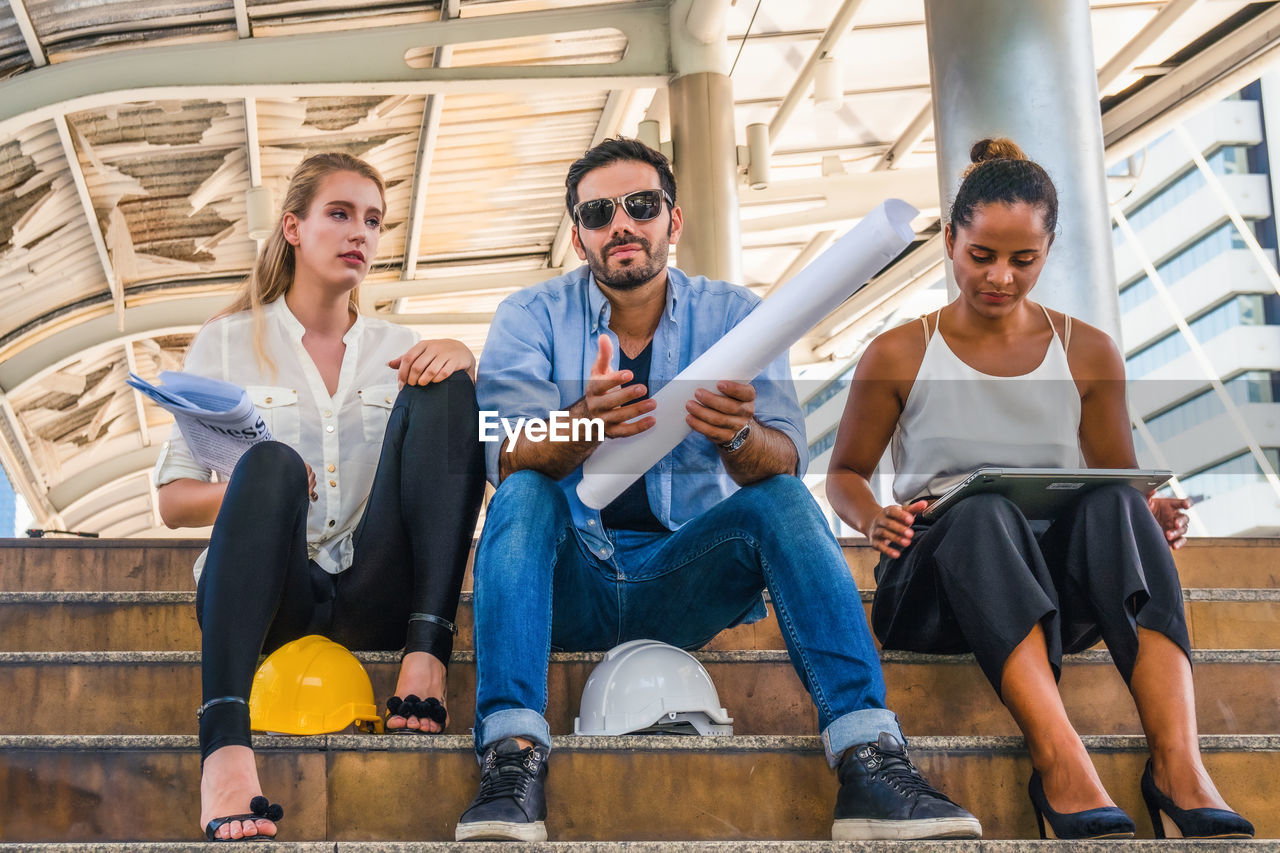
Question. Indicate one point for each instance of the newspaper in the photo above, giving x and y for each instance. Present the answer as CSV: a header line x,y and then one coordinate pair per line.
x,y
217,419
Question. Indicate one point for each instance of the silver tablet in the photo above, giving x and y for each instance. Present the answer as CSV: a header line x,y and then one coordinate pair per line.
x,y
1041,493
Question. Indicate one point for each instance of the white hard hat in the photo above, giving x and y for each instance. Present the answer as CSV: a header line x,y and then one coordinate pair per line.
x,y
645,685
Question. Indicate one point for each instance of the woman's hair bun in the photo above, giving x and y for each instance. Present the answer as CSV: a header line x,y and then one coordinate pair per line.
x,y
1000,148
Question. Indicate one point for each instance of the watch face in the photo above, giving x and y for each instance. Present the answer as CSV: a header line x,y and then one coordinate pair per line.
x,y
738,440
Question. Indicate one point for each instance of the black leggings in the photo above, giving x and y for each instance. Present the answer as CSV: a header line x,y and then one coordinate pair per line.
x,y
259,590
979,579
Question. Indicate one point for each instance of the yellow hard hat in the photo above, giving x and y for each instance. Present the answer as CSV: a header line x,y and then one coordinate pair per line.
x,y
312,686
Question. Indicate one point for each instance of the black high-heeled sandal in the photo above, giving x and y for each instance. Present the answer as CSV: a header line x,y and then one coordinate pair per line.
x,y
430,708
260,808
1106,822
1169,821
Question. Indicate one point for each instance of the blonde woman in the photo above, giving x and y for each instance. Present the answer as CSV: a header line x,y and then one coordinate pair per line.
x,y
356,521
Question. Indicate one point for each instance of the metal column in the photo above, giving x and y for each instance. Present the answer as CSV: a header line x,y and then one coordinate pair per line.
x,y
1026,70
706,166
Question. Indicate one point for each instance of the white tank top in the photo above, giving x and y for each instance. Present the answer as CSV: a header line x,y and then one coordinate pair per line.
x,y
957,419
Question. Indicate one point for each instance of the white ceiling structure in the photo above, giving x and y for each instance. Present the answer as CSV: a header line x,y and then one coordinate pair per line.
x,y
131,133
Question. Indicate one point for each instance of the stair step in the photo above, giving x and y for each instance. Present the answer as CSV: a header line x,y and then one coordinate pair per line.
x,y
979,846
345,787
138,621
165,564
1238,692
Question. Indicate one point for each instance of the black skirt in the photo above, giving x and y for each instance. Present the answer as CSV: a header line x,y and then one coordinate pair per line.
x,y
981,576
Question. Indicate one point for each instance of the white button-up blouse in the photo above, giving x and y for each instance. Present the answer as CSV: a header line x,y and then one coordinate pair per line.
x,y
339,436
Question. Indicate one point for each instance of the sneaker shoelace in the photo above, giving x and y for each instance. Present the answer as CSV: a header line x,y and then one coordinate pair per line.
x,y
507,776
903,777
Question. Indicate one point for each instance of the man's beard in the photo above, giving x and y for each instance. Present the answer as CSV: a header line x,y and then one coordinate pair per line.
x,y
634,274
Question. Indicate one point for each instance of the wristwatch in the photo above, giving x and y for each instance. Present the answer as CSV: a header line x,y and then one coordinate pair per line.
x,y
739,439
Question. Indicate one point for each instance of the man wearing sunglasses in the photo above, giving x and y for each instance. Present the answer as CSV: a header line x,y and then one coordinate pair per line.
x,y
686,551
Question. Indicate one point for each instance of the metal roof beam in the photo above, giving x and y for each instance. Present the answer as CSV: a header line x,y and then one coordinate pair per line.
x,y
474,318
1215,72
907,142
165,317
20,463
430,129
1120,64
840,24
840,198
302,65
29,34
139,409
610,122
104,473
242,19
835,336
91,217
816,246
459,284
252,148
70,340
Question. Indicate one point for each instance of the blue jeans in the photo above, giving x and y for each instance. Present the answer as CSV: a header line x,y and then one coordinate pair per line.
x,y
537,589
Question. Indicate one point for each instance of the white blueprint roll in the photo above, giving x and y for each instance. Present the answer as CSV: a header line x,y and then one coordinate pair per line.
x,y
763,335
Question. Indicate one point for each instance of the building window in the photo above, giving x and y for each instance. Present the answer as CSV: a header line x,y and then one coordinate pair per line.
x,y
823,443
1246,310
1235,473
1222,239
1255,386
1227,160
834,387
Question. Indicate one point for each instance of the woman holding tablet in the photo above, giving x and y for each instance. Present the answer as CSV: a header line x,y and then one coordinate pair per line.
x,y
996,379
356,521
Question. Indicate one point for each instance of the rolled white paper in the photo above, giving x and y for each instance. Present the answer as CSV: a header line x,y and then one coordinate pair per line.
x,y
763,335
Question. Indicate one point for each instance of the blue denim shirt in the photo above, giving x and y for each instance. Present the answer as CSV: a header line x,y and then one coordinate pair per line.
x,y
539,353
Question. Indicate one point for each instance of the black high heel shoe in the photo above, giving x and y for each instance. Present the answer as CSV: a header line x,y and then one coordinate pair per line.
x,y
1169,821
1106,822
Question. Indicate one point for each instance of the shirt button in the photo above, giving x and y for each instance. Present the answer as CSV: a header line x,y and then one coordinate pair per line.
x,y
330,469
333,482
604,552
268,400
388,399
328,414
331,522
329,428
591,522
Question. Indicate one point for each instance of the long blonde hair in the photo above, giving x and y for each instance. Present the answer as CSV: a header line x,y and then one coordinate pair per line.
x,y
272,274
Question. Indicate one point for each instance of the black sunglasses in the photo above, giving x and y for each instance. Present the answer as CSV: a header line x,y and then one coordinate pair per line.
x,y
641,205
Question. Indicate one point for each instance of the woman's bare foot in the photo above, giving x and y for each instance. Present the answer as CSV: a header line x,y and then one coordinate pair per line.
x,y
228,783
422,675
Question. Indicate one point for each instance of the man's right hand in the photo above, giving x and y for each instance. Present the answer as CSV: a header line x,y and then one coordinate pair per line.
x,y
607,400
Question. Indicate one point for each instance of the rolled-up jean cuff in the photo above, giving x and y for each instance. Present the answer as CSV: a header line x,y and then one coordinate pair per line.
x,y
857,727
513,722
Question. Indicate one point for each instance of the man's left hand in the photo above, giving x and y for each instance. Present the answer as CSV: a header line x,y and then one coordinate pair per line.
x,y
720,416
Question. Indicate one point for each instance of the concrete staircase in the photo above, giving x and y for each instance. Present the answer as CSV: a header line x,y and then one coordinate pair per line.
x,y
99,660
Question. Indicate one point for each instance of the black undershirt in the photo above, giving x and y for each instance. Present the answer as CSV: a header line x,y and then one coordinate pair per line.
x,y
630,510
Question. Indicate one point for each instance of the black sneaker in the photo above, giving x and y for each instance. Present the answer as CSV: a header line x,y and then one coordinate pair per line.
x,y
883,796
512,804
